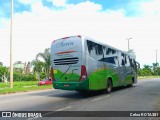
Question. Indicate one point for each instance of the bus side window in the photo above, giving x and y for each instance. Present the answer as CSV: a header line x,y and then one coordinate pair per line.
x,y
116,60
132,63
95,50
127,61
122,59
110,55
123,62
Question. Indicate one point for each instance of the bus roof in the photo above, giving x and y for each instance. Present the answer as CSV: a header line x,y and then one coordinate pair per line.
x,y
91,39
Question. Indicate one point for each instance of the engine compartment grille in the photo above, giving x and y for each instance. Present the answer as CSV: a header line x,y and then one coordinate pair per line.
x,y
66,61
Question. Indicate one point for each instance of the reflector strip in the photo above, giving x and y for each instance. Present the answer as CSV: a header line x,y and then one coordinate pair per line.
x,y
66,52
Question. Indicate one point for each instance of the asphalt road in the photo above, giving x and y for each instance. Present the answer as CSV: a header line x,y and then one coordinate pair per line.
x,y
143,96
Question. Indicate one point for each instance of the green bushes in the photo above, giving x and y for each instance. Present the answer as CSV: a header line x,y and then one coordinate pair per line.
x,y
147,70
3,71
23,77
42,75
17,76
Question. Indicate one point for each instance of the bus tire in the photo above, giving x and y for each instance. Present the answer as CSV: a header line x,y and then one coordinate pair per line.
x,y
131,85
109,86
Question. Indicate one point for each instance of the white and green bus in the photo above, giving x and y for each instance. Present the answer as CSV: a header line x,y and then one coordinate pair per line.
x,y
83,64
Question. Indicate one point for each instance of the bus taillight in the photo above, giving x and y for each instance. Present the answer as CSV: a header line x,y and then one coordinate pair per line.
x,y
79,36
65,37
83,73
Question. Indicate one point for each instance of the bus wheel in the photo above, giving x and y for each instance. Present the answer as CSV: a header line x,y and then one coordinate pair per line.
x,y
131,85
109,86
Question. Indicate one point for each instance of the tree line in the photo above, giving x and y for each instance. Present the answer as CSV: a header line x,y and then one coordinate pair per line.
x,y
150,70
41,69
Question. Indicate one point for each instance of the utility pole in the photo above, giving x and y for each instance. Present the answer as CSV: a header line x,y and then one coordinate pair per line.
x,y
156,55
11,36
128,43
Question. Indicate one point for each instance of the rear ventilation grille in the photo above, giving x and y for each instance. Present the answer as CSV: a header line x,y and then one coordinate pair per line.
x,y
66,61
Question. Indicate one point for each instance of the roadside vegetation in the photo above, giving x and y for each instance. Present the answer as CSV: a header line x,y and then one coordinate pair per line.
x,y
25,81
149,71
147,77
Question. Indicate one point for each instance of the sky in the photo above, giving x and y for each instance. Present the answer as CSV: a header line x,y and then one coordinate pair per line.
x,y
36,23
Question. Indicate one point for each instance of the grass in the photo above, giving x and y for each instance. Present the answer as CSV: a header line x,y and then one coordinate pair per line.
x,y
147,77
22,86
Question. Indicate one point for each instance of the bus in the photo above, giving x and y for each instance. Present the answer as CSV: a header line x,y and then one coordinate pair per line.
x,y
83,64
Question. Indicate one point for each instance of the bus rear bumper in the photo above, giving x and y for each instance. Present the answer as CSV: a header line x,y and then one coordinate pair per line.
x,y
83,85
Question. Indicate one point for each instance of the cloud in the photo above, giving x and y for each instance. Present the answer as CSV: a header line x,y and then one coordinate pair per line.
x,y
5,8
151,8
58,3
34,31
29,2
86,7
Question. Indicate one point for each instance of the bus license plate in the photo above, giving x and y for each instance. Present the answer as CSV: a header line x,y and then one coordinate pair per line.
x,y
66,85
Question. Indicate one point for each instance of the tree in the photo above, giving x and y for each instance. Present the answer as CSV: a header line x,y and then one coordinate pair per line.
x,y
146,71
3,71
38,66
1,64
157,71
155,66
46,63
147,67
